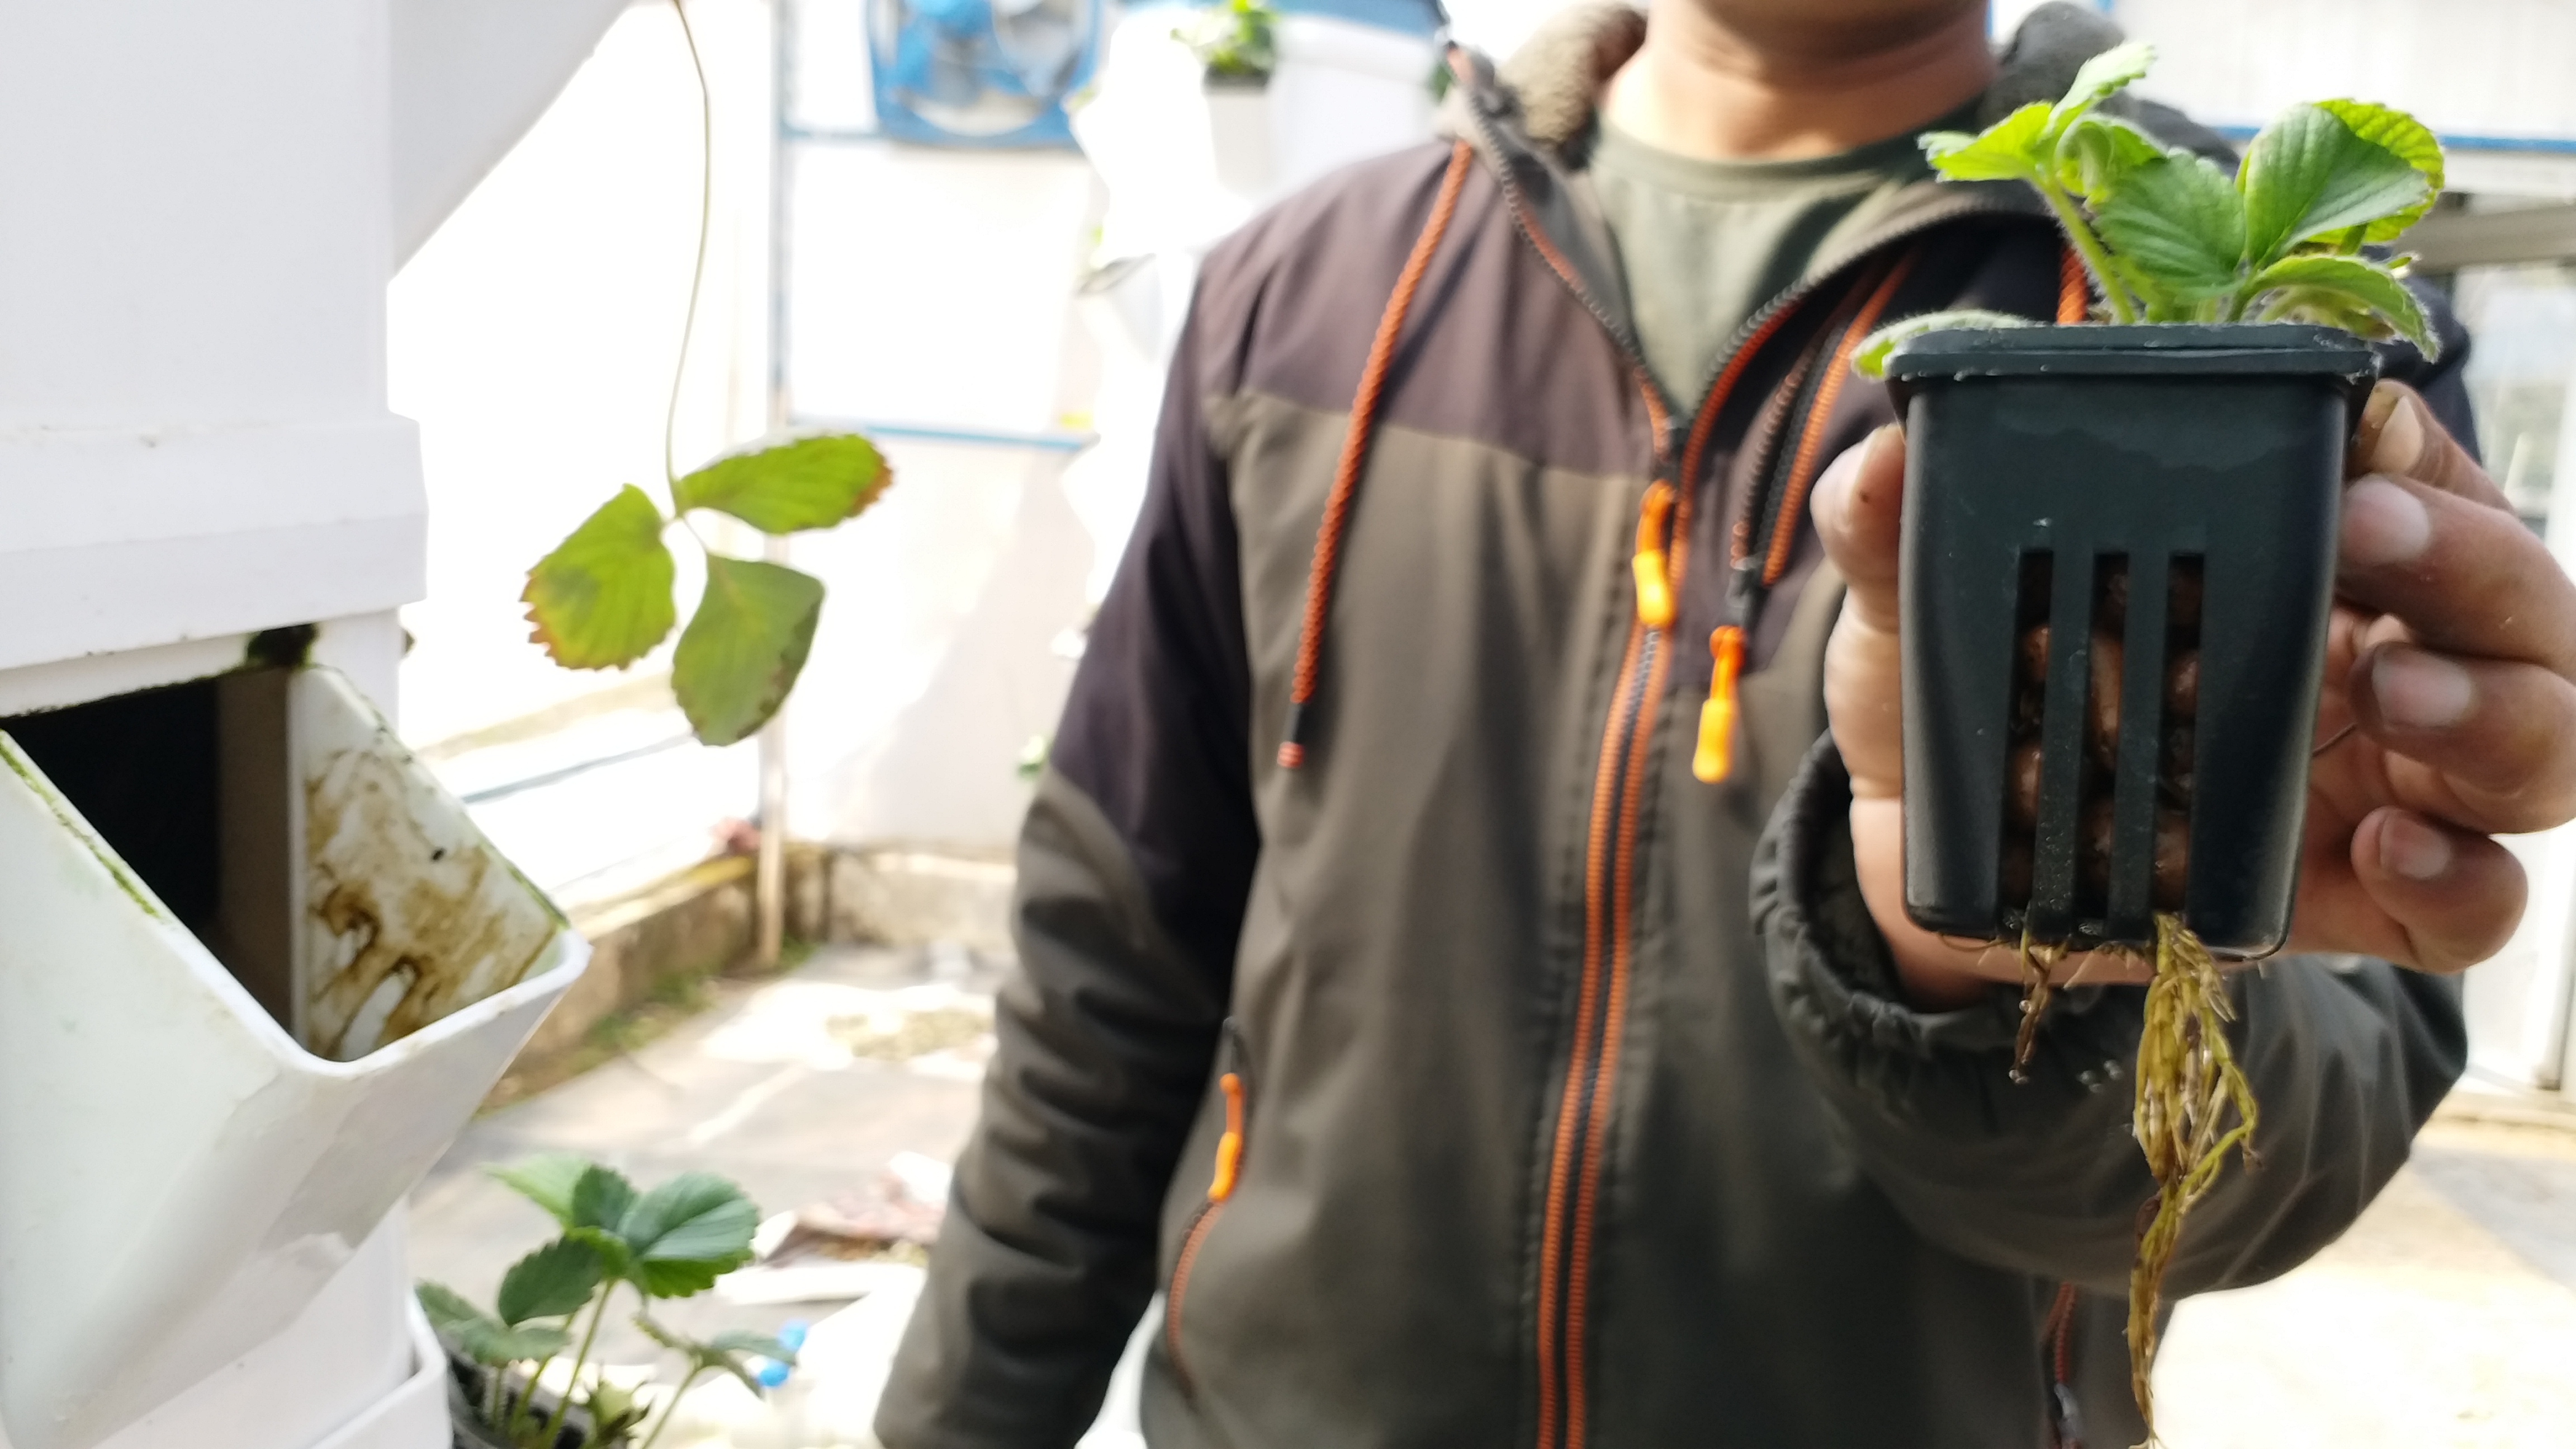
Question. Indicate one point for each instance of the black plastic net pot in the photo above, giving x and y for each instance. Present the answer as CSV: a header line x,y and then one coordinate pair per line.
x,y
2116,576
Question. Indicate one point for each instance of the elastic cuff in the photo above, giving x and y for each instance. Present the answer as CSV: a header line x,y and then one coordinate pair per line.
x,y
1831,971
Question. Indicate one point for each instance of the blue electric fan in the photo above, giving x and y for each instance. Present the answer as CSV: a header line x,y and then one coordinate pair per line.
x,y
990,73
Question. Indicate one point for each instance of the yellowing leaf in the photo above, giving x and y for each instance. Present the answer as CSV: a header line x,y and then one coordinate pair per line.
x,y
2409,140
602,599
2178,225
2016,148
743,649
808,482
2308,174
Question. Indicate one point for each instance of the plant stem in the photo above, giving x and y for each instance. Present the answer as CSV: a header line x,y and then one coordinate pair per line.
x,y
527,1400
672,1409
698,269
572,1380
2097,257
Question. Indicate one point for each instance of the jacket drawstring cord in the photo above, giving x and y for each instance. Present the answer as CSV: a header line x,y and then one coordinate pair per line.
x,y
1714,759
1229,1148
1346,477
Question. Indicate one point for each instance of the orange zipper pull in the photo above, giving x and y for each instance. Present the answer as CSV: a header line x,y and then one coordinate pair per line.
x,y
1715,757
1229,1148
1654,584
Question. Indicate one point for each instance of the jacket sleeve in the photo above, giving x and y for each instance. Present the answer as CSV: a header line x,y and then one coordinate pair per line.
x,y
2347,1057
1134,863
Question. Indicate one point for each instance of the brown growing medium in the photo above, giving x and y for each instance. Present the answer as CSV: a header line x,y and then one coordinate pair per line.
x,y
2192,1102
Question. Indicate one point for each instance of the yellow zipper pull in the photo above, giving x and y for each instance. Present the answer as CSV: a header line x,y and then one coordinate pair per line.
x,y
1229,1148
1715,757
1654,583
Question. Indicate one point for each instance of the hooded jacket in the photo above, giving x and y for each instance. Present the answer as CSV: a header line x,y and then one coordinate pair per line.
x,y
1395,1000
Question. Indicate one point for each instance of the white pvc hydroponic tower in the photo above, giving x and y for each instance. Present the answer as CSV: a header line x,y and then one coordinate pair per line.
x,y
255,968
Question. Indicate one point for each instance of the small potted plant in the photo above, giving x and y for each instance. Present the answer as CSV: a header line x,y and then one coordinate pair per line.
x,y
2116,572
2118,550
672,1242
1237,45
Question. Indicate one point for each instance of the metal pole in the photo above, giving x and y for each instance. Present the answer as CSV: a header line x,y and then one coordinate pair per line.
x,y
769,875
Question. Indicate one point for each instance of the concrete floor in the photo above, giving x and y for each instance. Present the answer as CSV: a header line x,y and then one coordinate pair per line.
x,y
2447,1317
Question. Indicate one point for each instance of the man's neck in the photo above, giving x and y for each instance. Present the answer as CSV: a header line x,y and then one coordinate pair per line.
x,y
1700,89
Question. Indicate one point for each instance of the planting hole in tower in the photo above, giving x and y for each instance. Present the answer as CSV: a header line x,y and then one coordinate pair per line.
x,y
189,784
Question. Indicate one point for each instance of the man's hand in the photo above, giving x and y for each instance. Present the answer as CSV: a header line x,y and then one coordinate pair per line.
x,y
2448,714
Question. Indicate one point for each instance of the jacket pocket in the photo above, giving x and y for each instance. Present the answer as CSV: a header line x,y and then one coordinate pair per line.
x,y
1233,1083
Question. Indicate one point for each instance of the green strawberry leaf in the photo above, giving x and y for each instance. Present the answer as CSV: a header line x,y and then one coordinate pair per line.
x,y
2410,141
601,1198
614,1256
2095,82
2016,148
551,1282
1870,358
808,482
2308,174
2179,225
447,1309
686,1233
2099,151
2333,289
745,646
602,599
546,1179
495,1345
481,1337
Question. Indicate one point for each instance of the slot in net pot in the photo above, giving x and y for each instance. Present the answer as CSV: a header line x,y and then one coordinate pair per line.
x,y
2173,489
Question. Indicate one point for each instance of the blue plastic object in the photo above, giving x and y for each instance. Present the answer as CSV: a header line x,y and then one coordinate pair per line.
x,y
1404,17
976,74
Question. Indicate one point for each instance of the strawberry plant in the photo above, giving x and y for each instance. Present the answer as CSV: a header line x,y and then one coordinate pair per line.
x,y
671,1242
2169,235
1236,42
2117,570
602,599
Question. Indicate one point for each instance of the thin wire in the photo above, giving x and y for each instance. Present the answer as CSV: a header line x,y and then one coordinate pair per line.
x,y
697,269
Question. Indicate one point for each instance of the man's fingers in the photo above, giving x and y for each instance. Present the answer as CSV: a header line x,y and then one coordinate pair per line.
x,y
2464,577
1857,506
2484,743
2454,897
2399,435
1858,503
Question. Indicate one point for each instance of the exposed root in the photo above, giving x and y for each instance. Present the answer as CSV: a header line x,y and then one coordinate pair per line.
x,y
2187,1084
2038,958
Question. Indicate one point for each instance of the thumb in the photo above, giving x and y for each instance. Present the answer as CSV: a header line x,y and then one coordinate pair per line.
x,y
1858,504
